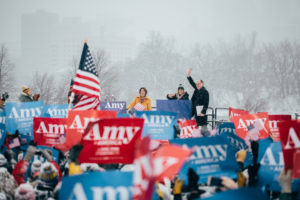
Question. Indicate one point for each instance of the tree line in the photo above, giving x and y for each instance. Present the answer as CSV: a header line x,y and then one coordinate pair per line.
x,y
242,72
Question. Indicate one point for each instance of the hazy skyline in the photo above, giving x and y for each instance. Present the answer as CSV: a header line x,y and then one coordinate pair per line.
x,y
188,22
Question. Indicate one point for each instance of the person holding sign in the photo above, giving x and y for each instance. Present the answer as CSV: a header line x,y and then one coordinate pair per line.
x,y
180,95
141,102
200,101
26,95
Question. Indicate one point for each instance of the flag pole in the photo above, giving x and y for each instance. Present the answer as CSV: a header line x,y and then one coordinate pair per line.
x,y
70,102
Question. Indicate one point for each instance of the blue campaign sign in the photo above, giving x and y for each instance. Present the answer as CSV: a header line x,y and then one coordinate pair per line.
x,y
227,130
213,156
271,164
227,127
19,116
2,127
263,145
55,111
119,106
183,108
243,193
97,185
122,115
158,124
54,152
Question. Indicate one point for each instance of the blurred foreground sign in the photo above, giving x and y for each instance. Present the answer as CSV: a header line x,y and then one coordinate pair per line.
x,y
20,116
111,140
158,124
97,185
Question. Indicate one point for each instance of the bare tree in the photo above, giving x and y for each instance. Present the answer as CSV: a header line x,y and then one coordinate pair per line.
x,y
108,75
44,84
63,85
283,61
73,67
6,71
158,66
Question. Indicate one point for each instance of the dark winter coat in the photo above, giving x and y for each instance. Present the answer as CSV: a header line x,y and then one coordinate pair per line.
x,y
185,96
199,98
25,98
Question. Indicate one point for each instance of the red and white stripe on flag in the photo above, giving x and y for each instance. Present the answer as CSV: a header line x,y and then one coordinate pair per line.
x,y
87,84
139,107
87,103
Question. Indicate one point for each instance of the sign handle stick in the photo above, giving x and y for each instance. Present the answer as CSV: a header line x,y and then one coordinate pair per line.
x,y
70,102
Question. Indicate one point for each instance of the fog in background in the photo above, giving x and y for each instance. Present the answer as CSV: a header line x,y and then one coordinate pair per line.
x,y
247,52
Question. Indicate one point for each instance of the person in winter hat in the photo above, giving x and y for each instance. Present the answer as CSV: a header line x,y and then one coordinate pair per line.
x,y
7,183
36,166
47,154
26,95
25,192
180,95
141,102
35,172
48,175
48,180
22,166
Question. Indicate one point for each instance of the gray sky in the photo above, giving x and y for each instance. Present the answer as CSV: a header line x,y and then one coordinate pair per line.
x,y
188,21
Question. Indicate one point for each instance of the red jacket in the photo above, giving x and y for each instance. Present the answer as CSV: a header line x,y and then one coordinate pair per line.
x,y
20,171
21,167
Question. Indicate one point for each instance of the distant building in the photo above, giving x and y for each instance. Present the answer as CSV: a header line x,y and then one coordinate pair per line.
x,y
48,42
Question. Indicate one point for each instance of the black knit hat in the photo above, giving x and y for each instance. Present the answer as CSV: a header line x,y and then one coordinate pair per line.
x,y
180,87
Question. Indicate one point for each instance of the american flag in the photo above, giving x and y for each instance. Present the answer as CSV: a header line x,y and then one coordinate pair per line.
x,y
86,82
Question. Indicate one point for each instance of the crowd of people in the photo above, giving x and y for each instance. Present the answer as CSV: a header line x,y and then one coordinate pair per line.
x,y
32,173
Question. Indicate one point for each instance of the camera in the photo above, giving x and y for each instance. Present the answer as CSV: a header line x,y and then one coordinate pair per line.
x,y
4,96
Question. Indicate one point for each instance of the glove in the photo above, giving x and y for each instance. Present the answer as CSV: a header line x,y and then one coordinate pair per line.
x,y
74,169
178,186
46,154
241,180
228,183
30,153
285,181
131,111
74,153
241,156
36,97
159,192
